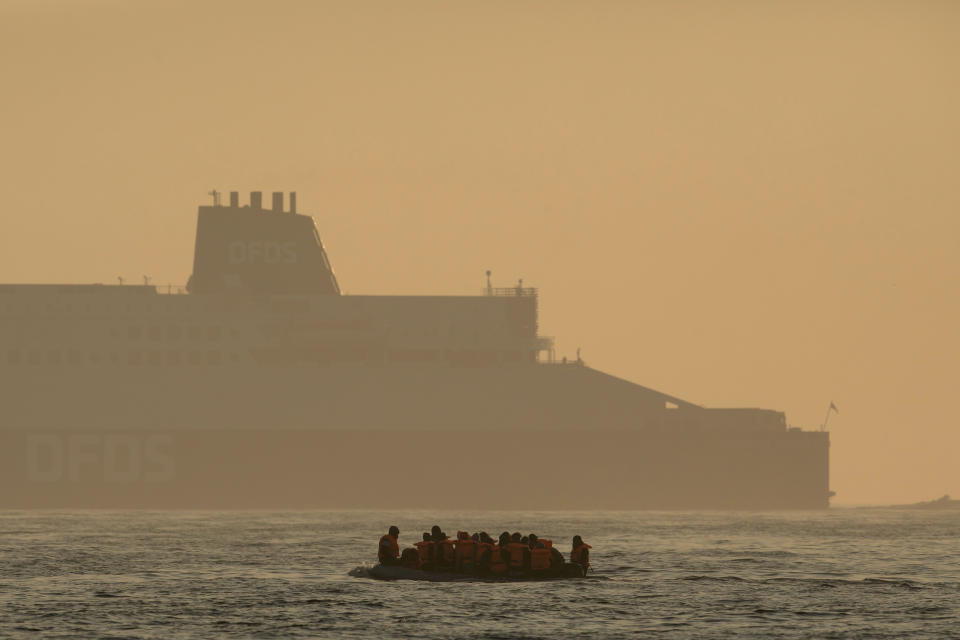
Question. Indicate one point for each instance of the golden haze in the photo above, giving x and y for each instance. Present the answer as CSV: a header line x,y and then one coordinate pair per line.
x,y
739,203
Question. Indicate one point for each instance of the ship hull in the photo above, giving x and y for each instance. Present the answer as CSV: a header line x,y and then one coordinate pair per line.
x,y
270,468
541,437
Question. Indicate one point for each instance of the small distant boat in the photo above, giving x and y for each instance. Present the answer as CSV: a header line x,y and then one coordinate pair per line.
x,y
570,570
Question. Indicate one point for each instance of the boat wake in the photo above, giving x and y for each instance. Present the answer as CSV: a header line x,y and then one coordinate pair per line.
x,y
362,571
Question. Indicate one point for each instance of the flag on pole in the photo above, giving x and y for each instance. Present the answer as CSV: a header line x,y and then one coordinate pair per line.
x,y
834,407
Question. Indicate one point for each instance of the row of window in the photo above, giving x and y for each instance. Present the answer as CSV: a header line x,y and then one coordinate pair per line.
x,y
103,308
37,329
175,304
343,355
213,333
274,356
155,357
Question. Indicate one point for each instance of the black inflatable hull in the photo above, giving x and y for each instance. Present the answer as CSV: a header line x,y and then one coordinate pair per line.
x,y
569,571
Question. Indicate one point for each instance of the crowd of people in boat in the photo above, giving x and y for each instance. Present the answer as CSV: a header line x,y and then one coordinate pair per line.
x,y
479,554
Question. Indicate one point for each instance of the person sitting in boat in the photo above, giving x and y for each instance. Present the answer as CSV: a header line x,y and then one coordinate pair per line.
x,y
556,558
495,559
518,554
482,553
388,552
425,550
466,553
437,536
485,546
540,560
580,553
410,558
444,556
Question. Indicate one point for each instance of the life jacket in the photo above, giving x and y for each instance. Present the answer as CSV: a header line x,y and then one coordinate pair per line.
x,y
540,558
394,548
577,553
516,550
464,550
425,551
445,553
497,563
547,543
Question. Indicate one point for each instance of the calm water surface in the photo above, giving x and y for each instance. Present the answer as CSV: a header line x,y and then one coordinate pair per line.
x,y
846,573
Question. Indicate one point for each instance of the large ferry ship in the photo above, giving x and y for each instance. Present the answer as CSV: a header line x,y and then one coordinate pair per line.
x,y
260,385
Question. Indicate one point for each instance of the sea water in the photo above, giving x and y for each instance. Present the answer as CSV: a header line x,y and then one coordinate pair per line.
x,y
842,573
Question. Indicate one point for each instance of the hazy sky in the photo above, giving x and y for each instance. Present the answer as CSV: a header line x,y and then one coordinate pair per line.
x,y
738,203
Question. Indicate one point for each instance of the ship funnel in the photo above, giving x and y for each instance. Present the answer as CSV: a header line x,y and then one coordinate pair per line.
x,y
293,202
245,249
234,199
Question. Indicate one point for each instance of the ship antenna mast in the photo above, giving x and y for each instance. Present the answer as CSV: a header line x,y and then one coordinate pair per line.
x,y
826,419
216,197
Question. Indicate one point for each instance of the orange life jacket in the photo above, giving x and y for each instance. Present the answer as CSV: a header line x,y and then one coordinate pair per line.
x,y
547,543
394,548
540,558
464,550
577,553
497,564
425,549
445,553
516,550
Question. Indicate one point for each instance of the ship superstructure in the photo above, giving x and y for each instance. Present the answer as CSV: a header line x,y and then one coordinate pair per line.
x,y
261,385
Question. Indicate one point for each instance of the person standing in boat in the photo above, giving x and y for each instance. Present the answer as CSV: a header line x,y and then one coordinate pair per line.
x,y
388,551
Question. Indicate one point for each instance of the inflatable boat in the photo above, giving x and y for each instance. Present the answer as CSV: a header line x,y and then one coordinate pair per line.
x,y
569,570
